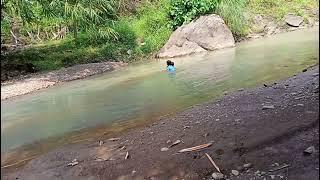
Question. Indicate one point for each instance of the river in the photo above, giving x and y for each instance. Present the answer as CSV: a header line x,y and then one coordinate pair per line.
x,y
145,91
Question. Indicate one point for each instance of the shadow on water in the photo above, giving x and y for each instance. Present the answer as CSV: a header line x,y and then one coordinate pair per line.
x,y
112,103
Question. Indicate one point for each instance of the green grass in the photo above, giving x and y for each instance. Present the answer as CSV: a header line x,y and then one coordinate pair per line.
x,y
279,8
232,11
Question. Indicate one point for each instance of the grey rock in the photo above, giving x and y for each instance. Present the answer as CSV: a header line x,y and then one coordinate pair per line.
x,y
235,172
164,149
217,175
206,33
268,107
293,20
248,165
310,150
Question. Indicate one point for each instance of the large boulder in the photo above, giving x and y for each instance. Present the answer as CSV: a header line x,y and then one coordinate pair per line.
x,y
206,33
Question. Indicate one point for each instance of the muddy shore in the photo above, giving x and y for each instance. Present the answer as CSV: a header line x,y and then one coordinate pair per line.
x,y
269,127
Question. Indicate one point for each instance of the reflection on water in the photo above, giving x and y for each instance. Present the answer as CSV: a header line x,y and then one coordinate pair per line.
x,y
147,90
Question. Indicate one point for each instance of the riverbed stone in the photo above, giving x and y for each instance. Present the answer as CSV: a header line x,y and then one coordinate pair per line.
x,y
206,33
217,175
293,20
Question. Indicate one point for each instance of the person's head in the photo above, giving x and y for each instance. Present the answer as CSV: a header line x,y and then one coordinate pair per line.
x,y
172,63
169,63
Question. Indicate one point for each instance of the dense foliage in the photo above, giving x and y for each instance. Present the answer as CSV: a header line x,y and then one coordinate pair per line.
x,y
183,11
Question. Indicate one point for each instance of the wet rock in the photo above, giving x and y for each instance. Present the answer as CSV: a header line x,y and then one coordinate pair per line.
x,y
235,172
304,70
293,20
265,85
241,89
268,107
310,150
164,149
217,175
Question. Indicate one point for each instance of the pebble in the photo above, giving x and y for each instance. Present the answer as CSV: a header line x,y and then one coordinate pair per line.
x,y
164,149
300,105
310,150
315,74
272,176
304,70
248,165
217,119
235,172
241,89
268,107
217,175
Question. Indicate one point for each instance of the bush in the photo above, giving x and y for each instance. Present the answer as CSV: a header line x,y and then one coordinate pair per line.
x,y
184,11
232,12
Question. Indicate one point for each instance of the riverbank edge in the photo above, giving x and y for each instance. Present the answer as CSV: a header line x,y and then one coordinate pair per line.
x,y
295,97
31,83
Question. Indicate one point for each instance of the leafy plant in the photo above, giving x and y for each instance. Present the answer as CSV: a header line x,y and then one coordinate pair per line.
x,y
184,11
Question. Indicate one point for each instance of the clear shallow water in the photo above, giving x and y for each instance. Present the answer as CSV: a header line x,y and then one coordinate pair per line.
x,y
146,90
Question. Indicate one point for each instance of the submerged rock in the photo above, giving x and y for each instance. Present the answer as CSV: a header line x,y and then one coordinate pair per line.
x,y
206,33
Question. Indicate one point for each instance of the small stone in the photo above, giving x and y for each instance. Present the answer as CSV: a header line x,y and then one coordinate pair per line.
x,y
169,141
217,119
300,105
257,172
235,172
272,176
217,175
164,149
265,85
268,107
237,120
310,150
241,89
304,70
263,173
315,74
293,20
197,122
248,165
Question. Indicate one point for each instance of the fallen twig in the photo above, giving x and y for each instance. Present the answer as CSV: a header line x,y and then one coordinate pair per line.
x,y
195,148
279,168
213,163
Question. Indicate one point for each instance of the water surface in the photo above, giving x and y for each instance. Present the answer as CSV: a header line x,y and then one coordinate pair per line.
x,y
146,91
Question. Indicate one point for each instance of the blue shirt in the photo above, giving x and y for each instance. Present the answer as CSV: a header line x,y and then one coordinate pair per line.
x,y
171,68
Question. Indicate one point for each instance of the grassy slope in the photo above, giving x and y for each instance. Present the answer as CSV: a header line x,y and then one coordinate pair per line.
x,y
143,33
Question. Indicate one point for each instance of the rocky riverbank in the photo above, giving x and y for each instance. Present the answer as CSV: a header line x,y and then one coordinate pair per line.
x,y
33,82
269,132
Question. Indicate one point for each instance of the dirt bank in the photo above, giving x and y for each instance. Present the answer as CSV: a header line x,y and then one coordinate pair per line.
x,y
240,128
32,82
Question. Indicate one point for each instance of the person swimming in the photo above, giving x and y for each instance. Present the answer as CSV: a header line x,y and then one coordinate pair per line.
x,y
170,66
